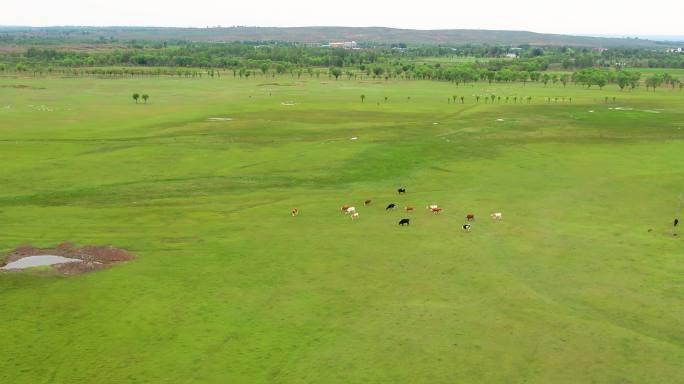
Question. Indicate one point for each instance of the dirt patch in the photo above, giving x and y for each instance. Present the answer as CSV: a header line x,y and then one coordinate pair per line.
x,y
93,257
277,84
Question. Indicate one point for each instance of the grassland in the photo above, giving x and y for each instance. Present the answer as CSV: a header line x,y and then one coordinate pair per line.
x,y
571,287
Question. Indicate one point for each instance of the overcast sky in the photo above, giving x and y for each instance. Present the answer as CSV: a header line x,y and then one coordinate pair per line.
x,y
609,17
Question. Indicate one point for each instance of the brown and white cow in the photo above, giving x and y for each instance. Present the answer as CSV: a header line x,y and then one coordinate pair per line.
x,y
294,212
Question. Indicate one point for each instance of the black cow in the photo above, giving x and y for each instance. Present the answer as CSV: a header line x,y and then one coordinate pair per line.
x,y
401,190
404,221
466,227
676,222
391,206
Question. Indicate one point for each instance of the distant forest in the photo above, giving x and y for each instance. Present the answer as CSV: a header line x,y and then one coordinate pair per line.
x,y
40,53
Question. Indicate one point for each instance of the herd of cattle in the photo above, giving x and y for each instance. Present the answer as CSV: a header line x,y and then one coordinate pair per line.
x,y
433,208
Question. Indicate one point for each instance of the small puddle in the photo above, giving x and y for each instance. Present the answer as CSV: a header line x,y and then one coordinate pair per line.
x,y
39,261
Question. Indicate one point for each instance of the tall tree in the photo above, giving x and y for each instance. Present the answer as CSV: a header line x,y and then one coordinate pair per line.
x,y
336,72
136,96
654,81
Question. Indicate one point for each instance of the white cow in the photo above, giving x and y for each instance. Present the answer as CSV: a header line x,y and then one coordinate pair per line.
x,y
432,207
350,210
496,215
354,215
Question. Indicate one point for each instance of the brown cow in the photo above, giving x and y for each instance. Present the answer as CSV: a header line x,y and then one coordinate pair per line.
x,y
344,208
436,211
367,202
408,209
470,217
295,212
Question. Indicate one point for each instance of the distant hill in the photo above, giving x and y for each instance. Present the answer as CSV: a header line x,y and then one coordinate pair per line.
x,y
378,35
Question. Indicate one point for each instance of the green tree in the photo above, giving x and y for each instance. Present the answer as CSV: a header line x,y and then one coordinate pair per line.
x,y
601,81
564,79
145,97
336,72
654,81
136,96
622,79
363,98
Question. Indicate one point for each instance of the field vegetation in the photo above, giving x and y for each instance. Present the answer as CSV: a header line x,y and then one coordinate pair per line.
x,y
190,157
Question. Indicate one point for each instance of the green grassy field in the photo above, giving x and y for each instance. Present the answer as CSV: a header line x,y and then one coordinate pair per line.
x,y
570,287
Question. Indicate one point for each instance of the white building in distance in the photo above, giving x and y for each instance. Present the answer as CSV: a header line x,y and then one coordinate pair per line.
x,y
345,45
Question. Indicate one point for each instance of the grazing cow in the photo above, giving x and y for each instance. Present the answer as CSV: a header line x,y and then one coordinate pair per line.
x,y
354,215
431,207
295,212
466,227
344,208
403,222
437,211
349,210
676,221
496,215
470,217
408,209
401,190
367,202
391,206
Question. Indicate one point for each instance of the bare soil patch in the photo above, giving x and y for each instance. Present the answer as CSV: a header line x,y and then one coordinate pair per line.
x,y
93,257
277,84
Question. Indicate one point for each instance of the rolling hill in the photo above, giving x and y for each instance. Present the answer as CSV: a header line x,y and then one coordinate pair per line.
x,y
380,35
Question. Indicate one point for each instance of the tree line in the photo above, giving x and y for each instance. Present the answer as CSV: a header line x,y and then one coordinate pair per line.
x,y
536,69
252,54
